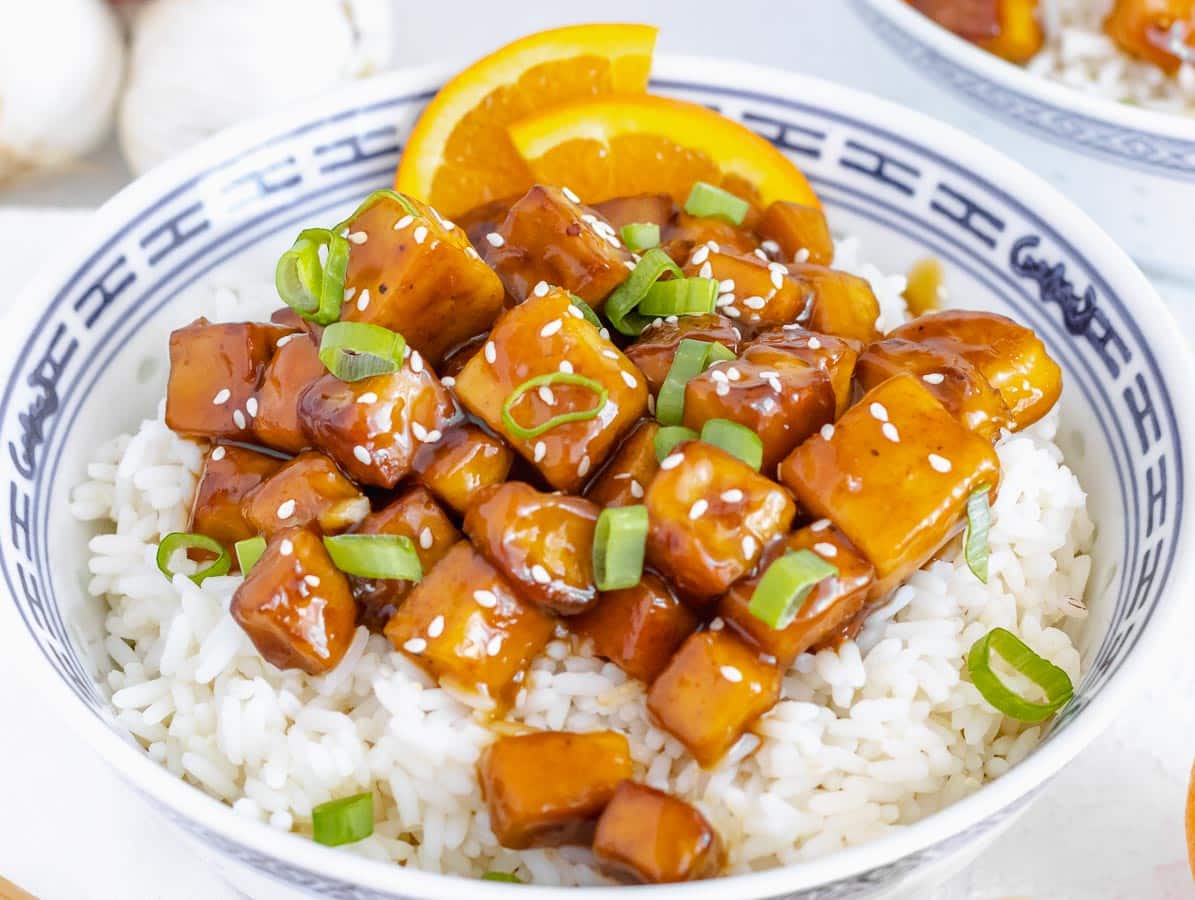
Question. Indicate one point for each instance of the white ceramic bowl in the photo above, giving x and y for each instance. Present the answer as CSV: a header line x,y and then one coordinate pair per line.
x,y
94,365
1131,169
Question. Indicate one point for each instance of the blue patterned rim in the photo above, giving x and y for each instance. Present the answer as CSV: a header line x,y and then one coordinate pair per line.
x,y
300,174
1064,126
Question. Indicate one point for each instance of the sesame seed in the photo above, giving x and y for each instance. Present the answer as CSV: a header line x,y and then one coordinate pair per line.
x,y
420,234
610,354
814,344
539,574
933,377
721,388
672,320
755,302
827,431
636,489
583,468
551,328
434,435
770,246
491,352
546,395
435,628
718,375
286,509
731,674
362,455
878,411
733,373
630,265
419,431
541,450
700,255
589,219
416,362
706,270
403,222
358,237
415,645
891,433
724,300
820,525
749,546
251,407
801,255
218,454
495,239
713,245
287,338
672,461
768,660
485,598
540,289
774,383
286,548
238,418
604,333
823,548
726,285
494,647
368,397
568,193
363,301
471,253
566,367
734,495
448,381
312,580
697,510
940,463
629,380
221,397
778,278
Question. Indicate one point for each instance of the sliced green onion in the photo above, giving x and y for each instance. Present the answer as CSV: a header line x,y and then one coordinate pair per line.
x,y
621,303
342,821
248,552
1054,682
979,523
312,287
680,297
586,310
640,236
375,556
523,433
355,350
619,543
508,877
667,438
718,353
735,439
384,194
689,361
707,200
186,540
786,585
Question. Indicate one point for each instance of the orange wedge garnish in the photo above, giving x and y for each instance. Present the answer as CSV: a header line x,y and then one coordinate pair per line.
x,y
615,146
459,155
1191,821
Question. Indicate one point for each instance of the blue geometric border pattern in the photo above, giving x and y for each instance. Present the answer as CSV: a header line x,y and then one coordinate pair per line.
x,y
1158,154
907,188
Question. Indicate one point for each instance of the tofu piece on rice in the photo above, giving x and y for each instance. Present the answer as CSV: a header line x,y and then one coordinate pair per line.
x,y
309,489
546,336
834,355
801,233
294,367
754,291
229,474
843,304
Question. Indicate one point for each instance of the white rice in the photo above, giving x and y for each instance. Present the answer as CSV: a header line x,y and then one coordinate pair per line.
x,y
866,739
1079,54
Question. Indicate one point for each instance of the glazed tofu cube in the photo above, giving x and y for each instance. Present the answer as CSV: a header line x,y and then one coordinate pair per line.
x,y
229,474
653,209
775,394
897,450
831,606
801,233
214,373
374,427
544,335
624,480
415,515
712,691
542,543
956,383
685,233
465,461
548,788
307,490
550,237
1144,29
1010,356
423,280
843,305
651,837
294,367
752,289
710,515
481,220
638,628
836,356
1007,28
466,626
655,348
295,605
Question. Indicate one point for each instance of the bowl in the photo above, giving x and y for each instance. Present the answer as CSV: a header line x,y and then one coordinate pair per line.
x,y
92,364
1132,169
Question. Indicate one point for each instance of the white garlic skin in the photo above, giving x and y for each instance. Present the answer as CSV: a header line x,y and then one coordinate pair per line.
x,y
198,66
61,68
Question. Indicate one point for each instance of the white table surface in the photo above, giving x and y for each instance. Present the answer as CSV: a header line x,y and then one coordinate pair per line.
x,y
1108,828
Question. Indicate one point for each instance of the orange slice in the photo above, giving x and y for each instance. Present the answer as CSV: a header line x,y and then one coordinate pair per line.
x,y
459,155
1190,821
635,144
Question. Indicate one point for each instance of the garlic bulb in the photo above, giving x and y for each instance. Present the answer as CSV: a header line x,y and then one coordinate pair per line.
x,y
61,66
200,65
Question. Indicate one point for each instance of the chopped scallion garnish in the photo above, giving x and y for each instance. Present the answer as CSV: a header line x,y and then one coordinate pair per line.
x,y
785,585
248,552
522,432
668,437
312,287
507,877
979,523
619,541
718,353
688,362
342,821
355,350
620,305
586,310
1054,682
707,200
185,540
640,236
383,194
375,556
680,297
735,439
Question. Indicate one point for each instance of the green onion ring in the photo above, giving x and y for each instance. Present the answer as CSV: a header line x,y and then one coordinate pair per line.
x,y
640,236
391,556
707,200
355,350
1053,681
680,297
248,552
384,194
785,586
507,877
718,353
619,544
735,439
979,523
311,287
688,362
620,305
523,433
668,437
185,540
342,821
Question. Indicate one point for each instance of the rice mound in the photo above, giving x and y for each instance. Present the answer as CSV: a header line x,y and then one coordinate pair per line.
x,y
866,739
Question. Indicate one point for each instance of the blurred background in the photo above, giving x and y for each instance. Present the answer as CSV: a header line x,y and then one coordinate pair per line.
x,y
103,91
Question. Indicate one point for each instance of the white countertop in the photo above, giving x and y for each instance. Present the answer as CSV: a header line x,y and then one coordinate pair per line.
x,y
1110,827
